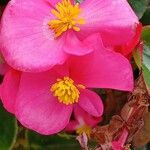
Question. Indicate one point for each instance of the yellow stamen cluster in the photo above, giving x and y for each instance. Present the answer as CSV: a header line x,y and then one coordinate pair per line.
x,y
67,17
84,129
66,91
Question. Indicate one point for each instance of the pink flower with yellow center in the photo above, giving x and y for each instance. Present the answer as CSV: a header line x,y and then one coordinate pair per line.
x,y
45,101
38,34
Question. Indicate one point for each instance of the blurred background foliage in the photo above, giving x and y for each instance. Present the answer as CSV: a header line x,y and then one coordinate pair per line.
x,y
13,136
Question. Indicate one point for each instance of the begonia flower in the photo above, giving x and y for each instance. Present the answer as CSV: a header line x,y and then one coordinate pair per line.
x,y
38,34
44,101
82,122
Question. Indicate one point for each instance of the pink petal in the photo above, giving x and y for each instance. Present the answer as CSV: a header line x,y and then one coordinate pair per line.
x,y
40,113
102,69
9,89
54,2
3,68
112,18
72,125
62,70
37,108
88,119
28,44
91,103
127,49
75,46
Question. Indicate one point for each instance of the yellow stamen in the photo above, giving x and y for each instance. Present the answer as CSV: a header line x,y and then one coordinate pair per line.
x,y
67,17
84,129
66,91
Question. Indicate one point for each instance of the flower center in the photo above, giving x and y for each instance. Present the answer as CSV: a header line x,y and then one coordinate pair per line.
x,y
67,17
84,129
66,91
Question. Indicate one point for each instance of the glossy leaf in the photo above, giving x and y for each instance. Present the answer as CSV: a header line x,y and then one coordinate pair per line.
x,y
55,142
146,34
146,64
139,6
146,17
8,129
3,2
146,72
146,56
137,58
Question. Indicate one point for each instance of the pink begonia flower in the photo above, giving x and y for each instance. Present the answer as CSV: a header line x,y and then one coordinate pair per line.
x,y
82,122
44,101
120,143
38,34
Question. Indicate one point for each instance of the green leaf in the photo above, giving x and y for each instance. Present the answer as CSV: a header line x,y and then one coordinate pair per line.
x,y
3,2
146,64
139,6
146,34
55,142
8,129
137,58
146,72
146,17
146,56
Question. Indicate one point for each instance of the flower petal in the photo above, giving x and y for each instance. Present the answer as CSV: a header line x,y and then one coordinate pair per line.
x,y
9,89
3,68
54,2
102,69
37,108
27,42
128,48
73,45
91,103
72,126
83,116
113,18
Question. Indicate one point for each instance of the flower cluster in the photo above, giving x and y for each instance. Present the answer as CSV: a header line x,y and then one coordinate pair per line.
x,y
56,52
